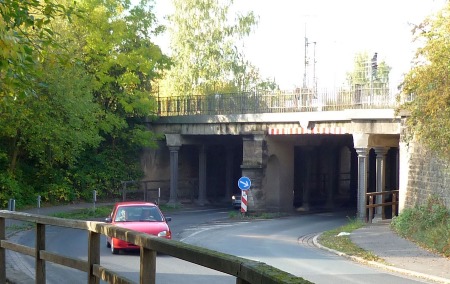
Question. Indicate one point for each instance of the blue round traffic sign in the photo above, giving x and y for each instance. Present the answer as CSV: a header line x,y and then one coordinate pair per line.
x,y
244,183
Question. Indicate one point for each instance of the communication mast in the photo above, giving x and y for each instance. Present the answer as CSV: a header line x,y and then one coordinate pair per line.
x,y
307,65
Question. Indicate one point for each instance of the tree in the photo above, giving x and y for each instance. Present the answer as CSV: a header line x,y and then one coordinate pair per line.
x,y
368,72
428,83
117,51
84,125
367,82
203,44
25,29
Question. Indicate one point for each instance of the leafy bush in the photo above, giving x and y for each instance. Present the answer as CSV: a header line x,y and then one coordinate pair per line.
x,y
428,225
9,188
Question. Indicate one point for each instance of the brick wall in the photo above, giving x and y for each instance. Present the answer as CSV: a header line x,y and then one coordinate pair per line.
x,y
429,175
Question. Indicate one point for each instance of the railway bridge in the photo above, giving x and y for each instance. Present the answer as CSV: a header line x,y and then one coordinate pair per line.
x,y
301,150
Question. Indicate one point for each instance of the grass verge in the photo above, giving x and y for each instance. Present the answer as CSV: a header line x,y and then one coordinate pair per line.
x,y
86,214
343,243
427,225
100,212
236,214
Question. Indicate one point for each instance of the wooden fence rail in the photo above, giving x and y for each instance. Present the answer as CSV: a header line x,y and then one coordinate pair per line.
x,y
245,270
371,204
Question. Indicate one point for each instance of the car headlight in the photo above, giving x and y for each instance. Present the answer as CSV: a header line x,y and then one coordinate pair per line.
x,y
164,234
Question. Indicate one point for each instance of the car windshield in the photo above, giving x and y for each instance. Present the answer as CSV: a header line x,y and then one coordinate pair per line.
x,y
138,214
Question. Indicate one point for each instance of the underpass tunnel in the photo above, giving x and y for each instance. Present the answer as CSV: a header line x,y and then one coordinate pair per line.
x,y
326,174
305,172
206,169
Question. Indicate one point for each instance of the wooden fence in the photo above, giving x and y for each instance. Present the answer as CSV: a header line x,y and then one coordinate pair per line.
x,y
245,271
372,204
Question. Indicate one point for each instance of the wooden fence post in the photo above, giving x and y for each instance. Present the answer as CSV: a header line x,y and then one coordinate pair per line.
x,y
93,256
370,209
2,251
394,204
148,266
40,245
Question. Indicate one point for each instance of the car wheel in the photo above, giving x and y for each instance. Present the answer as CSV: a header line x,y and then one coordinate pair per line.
x,y
108,244
113,249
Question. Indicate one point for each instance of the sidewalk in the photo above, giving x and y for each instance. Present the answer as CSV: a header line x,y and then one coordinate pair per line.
x,y
399,254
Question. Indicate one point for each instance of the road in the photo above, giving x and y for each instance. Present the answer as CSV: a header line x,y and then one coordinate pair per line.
x,y
285,243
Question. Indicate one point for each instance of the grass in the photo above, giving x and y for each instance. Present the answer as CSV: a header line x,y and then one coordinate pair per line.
x,y
22,227
86,214
427,225
100,212
236,214
330,239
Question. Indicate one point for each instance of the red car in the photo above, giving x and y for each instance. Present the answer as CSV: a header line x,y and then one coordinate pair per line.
x,y
143,217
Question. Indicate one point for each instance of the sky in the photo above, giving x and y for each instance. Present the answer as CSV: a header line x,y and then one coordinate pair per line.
x,y
336,32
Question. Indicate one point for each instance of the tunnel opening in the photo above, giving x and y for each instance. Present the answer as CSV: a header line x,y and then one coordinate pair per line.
x,y
325,174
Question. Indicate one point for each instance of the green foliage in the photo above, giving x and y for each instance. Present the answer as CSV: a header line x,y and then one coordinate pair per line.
x,y
204,47
9,188
12,188
104,171
362,75
91,78
428,84
427,225
25,29
86,214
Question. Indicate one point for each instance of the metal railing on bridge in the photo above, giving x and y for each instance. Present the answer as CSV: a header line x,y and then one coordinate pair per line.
x,y
300,100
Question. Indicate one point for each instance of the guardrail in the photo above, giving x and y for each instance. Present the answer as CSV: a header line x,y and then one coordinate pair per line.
x,y
300,100
372,203
246,271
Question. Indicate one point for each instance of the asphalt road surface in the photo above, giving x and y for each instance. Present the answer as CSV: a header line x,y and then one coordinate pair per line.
x,y
285,243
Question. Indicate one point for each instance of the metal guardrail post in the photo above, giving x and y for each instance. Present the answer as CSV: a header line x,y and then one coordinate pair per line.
x,y
12,205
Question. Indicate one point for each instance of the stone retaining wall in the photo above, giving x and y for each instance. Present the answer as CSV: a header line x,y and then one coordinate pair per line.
x,y
429,175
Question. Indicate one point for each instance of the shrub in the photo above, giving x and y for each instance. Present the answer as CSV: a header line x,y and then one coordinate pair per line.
x,y
428,225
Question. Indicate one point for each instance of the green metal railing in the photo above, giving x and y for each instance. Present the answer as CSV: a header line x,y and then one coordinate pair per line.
x,y
301,100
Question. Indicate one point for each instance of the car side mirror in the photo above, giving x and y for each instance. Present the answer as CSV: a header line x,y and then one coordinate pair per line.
x,y
108,220
168,219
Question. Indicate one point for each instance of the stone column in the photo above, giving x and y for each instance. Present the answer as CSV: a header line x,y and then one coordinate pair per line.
x,y
362,182
173,141
254,161
381,177
173,174
202,176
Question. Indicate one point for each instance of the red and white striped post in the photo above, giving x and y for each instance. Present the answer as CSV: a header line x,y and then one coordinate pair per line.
x,y
244,201
244,184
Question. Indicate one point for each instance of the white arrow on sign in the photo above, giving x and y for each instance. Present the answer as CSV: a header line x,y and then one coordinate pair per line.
x,y
244,183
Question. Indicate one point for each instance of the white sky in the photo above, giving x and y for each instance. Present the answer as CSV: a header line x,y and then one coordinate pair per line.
x,y
340,29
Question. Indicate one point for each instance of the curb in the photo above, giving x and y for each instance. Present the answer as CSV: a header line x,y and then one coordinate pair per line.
x,y
381,265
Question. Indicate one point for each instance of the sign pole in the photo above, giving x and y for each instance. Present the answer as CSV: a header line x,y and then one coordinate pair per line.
x,y
244,184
